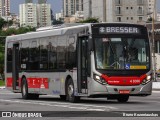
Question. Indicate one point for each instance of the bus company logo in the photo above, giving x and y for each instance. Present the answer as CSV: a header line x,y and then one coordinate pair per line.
x,y
102,30
6,114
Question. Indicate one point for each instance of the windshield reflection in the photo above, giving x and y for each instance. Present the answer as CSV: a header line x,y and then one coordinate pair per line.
x,y
122,53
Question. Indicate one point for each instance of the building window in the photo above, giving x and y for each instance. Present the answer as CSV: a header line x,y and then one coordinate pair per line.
x,y
119,19
140,18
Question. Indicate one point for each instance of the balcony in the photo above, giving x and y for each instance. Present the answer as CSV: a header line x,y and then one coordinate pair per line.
x,y
140,2
118,2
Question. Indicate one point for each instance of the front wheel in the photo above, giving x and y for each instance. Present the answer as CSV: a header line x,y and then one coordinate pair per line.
x,y
123,98
70,92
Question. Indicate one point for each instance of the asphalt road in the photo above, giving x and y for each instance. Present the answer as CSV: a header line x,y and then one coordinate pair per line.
x,y
13,102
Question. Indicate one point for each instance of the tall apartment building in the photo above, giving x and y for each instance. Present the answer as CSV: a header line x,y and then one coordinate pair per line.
x,y
4,7
42,1
43,13
70,7
151,7
35,15
158,16
117,10
28,14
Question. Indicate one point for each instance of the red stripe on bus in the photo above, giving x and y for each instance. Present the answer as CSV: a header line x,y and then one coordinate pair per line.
x,y
32,82
9,82
124,81
38,83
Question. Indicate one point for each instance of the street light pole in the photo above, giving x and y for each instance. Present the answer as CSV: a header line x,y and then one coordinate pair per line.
x,y
153,43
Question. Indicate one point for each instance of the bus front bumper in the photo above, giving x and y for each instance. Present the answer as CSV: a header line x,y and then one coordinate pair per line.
x,y
139,90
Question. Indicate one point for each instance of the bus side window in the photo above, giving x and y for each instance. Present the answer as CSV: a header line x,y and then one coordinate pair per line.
x,y
52,48
34,55
9,57
24,53
71,53
44,54
61,53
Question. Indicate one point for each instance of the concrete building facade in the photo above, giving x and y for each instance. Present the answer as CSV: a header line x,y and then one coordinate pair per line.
x,y
35,15
116,10
71,6
28,14
151,7
43,14
4,7
158,16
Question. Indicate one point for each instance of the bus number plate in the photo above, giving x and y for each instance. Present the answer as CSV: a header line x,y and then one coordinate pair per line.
x,y
124,91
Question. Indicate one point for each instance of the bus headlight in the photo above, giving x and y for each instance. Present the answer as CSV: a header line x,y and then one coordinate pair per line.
x,y
147,80
99,79
149,77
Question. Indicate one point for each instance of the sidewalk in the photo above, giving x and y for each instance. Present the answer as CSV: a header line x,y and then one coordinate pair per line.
x,y
156,86
2,87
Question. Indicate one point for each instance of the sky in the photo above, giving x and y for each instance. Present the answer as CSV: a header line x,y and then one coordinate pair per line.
x,y
56,5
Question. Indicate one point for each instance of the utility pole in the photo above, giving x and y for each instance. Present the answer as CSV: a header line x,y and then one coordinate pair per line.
x,y
153,42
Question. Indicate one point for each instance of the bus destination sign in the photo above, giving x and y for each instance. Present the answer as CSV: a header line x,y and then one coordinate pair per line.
x,y
119,30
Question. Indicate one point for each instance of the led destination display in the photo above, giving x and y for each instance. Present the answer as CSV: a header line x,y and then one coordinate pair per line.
x,y
120,30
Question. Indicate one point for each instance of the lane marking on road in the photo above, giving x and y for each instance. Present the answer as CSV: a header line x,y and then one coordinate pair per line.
x,y
145,101
85,107
75,104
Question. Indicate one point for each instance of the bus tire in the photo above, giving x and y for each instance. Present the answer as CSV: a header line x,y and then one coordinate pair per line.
x,y
123,98
70,92
24,89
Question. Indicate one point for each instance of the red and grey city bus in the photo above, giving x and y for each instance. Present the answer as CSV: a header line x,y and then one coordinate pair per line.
x,y
111,60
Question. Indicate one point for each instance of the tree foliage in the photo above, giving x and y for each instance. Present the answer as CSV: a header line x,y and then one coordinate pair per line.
x,y
2,23
90,20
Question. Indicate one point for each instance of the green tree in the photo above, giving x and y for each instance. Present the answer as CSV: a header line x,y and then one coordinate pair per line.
x,y
56,22
149,19
2,23
10,22
2,60
90,20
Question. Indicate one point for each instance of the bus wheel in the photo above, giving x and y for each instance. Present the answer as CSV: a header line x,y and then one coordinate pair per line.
x,y
24,89
70,92
123,98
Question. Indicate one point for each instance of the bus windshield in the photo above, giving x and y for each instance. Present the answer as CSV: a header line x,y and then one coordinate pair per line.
x,y
122,53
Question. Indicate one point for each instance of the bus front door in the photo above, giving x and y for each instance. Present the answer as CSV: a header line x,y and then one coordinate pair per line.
x,y
82,64
15,65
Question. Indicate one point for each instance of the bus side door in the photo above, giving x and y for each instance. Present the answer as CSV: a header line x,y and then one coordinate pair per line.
x,y
15,66
82,64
